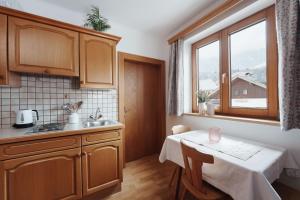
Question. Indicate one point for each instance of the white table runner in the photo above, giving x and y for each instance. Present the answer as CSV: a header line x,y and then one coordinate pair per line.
x,y
232,147
242,179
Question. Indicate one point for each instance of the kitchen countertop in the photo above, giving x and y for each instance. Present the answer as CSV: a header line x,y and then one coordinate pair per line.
x,y
11,135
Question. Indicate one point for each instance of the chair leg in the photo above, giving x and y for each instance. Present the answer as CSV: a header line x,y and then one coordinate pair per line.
x,y
173,176
182,195
178,183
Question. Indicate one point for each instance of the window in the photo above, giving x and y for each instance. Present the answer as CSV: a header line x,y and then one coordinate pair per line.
x,y
208,70
237,67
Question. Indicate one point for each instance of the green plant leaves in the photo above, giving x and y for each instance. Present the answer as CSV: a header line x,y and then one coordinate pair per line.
x,y
96,21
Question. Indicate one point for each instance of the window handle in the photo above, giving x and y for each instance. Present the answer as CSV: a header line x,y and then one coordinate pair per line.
x,y
224,75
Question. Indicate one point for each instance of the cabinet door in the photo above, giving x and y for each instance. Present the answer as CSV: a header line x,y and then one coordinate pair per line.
x,y
101,166
97,62
46,176
39,48
6,77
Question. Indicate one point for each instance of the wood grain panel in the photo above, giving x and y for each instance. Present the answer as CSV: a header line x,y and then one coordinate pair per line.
x,y
161,115
101,166
6,78
39,48
97,62
100,137
22,149
141,109
47,176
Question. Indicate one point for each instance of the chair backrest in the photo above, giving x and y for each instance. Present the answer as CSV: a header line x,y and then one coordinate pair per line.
x,y
193,161
180,129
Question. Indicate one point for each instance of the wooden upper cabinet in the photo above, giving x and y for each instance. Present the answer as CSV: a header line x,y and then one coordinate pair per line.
x,y
97,62
6,78
101,166
40,48
46,176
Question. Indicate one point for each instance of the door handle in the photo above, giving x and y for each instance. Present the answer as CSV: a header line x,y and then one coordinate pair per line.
x,y
126,110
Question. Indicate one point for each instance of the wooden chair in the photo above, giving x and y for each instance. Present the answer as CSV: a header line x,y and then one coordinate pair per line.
x,y
192,177
177,129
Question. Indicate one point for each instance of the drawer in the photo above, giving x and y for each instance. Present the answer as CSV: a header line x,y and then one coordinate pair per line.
x,y
100,137
21,149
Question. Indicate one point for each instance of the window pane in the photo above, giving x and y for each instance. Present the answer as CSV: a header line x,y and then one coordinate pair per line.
x,y
208,70
248,67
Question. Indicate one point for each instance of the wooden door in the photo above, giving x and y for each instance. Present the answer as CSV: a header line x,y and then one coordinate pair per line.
x,y
141,100
101,166
6,78
97,62
39,48
46,176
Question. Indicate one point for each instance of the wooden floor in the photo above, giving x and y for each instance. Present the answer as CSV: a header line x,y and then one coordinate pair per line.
x,y
147,179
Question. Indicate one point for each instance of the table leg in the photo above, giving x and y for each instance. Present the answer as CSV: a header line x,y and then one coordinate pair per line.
x,y
178,183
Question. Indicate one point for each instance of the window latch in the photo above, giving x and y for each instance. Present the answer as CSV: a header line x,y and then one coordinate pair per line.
x,y
223,77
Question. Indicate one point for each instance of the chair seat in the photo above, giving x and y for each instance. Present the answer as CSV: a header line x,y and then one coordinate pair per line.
x,y
211,193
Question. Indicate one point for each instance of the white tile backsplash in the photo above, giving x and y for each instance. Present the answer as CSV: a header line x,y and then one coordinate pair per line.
x,y
47,95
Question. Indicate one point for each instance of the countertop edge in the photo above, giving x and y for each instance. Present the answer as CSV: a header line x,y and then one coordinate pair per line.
x,y
54,134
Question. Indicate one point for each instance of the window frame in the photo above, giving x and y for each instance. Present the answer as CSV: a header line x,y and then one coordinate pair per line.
x,y
271,112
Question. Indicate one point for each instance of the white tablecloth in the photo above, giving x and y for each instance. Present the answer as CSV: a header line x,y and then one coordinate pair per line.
x,y
242,180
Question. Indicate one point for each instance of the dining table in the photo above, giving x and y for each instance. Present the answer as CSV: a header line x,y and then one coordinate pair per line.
x,y
242,168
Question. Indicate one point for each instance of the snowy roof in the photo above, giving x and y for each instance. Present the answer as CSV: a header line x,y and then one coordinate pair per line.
x,y
244,76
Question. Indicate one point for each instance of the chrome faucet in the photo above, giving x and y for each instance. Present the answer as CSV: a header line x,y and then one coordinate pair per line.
x,y
97,115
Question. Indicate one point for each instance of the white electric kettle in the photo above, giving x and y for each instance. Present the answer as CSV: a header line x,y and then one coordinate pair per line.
x,y
24,118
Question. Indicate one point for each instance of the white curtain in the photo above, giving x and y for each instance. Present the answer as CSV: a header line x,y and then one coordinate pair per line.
x,y
175,92
288,34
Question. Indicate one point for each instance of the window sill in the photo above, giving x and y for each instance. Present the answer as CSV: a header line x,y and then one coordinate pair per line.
x,y
241,119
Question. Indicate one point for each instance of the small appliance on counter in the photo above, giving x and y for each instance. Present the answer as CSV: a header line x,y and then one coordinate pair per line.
x,y
24,118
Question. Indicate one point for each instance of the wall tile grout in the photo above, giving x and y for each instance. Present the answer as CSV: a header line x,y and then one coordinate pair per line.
x,y
47,94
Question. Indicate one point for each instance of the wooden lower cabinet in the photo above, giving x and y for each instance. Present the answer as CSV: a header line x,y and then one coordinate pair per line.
x,y
101,166
62,168
47,176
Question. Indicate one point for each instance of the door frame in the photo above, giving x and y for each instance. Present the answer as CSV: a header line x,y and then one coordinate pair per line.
x,y
122,58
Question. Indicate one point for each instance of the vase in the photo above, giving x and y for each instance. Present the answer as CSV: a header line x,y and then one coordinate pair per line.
x,y
74,118
210,109
202,108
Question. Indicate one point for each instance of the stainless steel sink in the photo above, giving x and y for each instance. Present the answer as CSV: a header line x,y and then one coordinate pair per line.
x,y
98,123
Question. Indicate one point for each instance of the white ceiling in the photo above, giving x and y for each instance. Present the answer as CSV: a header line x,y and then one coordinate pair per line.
x,y
161,17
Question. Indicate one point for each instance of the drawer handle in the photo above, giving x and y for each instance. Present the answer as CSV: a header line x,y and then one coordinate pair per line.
x,y
47,71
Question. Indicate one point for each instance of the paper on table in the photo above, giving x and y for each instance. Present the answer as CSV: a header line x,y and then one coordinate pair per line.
x,y
235,148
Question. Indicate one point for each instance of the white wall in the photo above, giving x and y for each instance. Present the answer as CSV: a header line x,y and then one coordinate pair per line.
x,y
133,41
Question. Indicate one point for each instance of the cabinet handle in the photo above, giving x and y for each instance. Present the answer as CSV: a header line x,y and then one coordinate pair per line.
x,y
47,71
84,154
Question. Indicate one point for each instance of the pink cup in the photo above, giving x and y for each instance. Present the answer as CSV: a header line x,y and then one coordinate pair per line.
x,y
214,135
